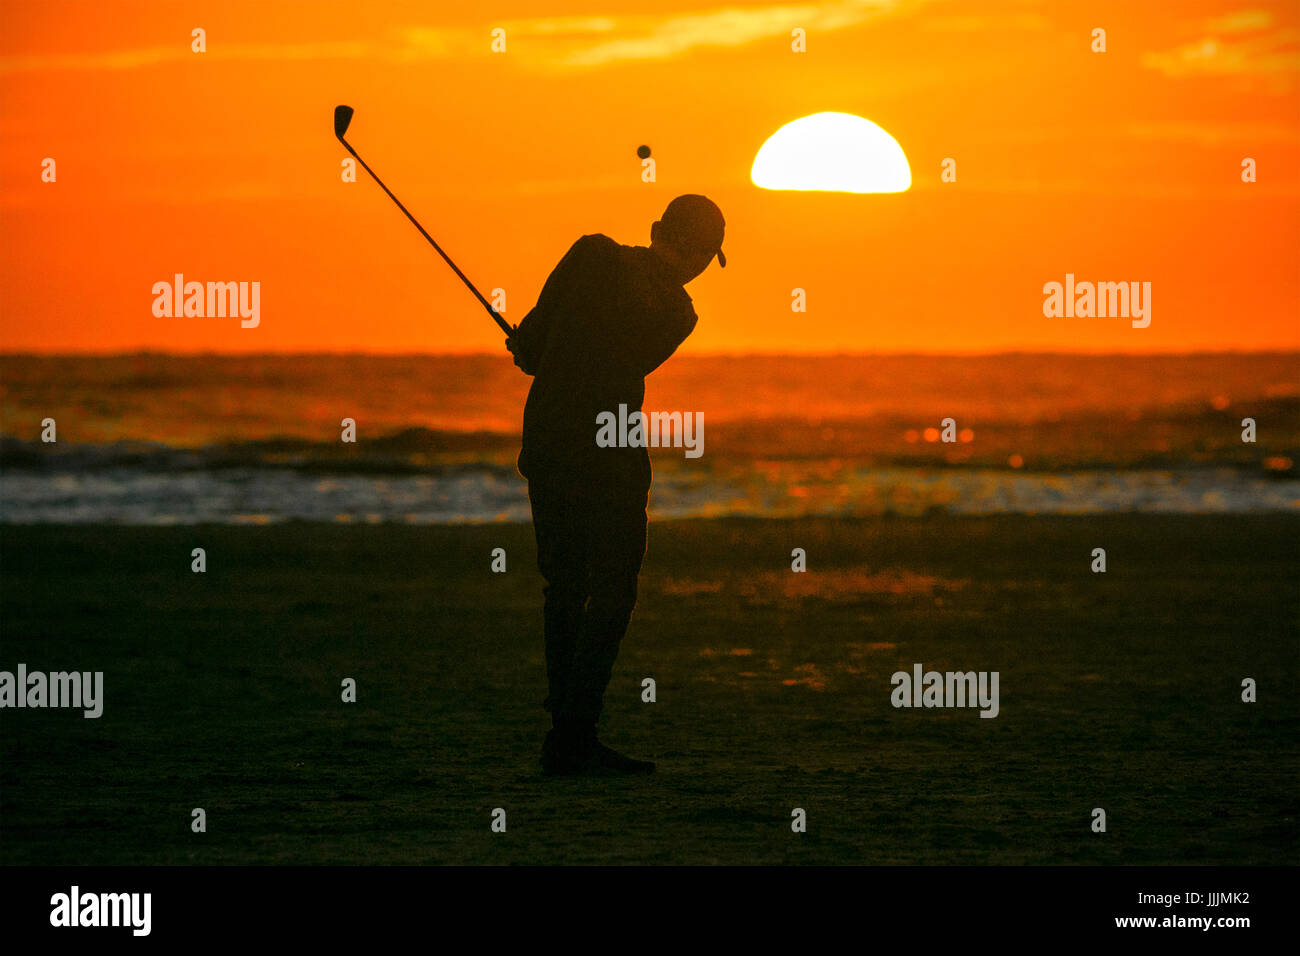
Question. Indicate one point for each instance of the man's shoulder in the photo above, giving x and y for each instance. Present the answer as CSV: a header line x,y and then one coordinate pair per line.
x,y
596,243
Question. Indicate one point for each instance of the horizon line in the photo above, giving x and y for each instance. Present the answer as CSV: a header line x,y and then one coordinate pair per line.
x,y
484,353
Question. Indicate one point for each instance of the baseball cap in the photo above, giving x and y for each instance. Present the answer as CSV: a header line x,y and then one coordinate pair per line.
x,y
696,221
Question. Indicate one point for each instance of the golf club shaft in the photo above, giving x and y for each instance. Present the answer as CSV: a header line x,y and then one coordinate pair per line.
x,y
446,258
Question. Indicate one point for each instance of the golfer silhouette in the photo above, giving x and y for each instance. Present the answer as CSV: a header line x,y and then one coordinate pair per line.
x,y
607,317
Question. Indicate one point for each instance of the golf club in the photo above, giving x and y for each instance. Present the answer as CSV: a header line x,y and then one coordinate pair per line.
x,y
342,118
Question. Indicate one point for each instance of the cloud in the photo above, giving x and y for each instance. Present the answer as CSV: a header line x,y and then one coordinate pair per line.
x,y
1214,134
984,22
151,56
585,42
646,38
1240,21
1243,44
542,42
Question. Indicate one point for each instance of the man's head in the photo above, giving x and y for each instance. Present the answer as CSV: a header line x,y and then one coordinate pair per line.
x,y
688,236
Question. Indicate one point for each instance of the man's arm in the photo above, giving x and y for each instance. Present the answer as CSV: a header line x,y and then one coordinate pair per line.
x,y
529,338
663,337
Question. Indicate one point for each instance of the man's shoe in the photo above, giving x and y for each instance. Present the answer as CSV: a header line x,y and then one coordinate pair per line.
x,y
586,757
555,762
612,761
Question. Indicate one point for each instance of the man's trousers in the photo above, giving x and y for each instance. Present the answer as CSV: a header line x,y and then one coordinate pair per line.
x,y
589,549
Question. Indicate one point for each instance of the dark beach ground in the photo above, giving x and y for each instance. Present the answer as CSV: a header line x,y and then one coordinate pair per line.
x,y
1119,691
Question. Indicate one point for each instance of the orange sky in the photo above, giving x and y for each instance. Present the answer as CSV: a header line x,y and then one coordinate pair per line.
x,y
1122,166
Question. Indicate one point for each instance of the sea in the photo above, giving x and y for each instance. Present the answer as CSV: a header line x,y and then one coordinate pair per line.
x,y
157,439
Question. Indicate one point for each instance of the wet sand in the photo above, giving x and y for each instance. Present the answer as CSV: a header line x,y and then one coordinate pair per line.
x,y
1119,691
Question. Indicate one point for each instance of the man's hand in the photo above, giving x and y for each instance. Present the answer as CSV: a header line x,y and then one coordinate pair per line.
x,y
510,346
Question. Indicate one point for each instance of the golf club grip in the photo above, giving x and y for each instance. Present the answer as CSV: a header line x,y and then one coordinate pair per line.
x,y
446,258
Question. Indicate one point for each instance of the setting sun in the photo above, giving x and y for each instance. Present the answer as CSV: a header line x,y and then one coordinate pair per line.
x,y
834,152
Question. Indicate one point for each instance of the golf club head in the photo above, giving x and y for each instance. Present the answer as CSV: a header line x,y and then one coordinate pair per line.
x,y
342,118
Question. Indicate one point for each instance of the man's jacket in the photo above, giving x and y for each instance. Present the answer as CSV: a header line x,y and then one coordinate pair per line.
x,y
607,317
